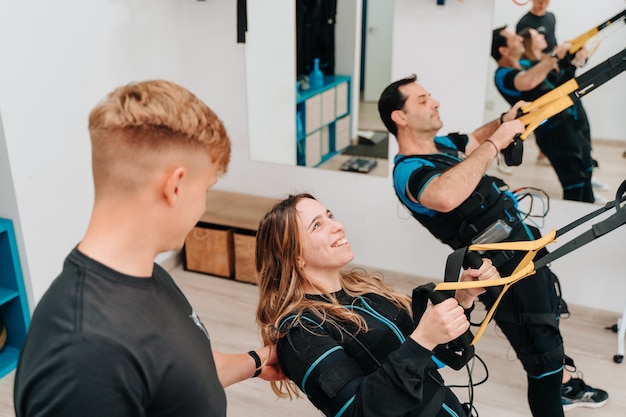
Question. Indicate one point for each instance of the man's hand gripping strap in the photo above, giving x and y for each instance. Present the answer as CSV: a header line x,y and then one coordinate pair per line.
x,y
523,269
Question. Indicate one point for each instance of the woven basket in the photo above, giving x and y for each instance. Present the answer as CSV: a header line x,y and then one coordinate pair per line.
x,y
3,335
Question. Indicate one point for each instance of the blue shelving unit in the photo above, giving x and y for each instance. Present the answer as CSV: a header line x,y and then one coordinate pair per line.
x,y
14,311
329,133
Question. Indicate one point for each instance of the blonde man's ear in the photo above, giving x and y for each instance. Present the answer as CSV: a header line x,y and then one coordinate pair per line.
x,y
171,185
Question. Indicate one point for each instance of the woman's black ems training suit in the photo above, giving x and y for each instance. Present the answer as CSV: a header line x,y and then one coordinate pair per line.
x,y
375,373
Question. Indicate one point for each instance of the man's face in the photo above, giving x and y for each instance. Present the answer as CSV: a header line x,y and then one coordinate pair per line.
x,y
420,109
540,6
514,44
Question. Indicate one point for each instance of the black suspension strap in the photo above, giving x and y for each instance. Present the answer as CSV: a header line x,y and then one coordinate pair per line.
x,y
533,114
597,230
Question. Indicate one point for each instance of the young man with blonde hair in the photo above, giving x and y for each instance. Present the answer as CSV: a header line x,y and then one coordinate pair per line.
x,y
114,335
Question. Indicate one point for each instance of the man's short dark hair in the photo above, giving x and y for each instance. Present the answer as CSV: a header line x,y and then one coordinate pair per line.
x,y
497,40
391,99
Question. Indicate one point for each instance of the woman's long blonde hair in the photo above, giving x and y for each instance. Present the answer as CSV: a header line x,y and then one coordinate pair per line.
x,y
529,53
281,289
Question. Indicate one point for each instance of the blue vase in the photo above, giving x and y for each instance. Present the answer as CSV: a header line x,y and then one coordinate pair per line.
x,y
299,125
316,77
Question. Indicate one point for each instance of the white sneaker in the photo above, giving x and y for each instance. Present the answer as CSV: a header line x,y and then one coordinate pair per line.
x,y
599,185
502,166
543,160
598,199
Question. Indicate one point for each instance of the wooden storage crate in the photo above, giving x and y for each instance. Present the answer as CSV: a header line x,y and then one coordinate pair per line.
x,y
245,250
223,241
209,249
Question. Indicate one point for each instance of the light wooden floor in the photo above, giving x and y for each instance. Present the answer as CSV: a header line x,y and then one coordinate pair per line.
x,y
227,309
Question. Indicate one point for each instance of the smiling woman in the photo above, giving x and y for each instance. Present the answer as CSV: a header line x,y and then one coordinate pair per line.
x,y
346,338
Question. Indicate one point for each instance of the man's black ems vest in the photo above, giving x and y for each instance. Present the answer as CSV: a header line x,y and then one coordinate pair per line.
x,y
487,204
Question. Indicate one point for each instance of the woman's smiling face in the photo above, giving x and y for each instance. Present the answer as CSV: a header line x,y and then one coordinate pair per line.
x,y
324,244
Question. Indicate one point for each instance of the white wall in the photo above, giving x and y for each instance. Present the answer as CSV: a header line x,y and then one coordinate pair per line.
x,y
605,105
271,63
58,61
348,50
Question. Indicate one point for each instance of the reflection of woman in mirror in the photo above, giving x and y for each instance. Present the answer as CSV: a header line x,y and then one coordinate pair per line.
x,y
534,44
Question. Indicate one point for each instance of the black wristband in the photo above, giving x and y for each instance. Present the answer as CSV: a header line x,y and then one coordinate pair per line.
x,y
257,363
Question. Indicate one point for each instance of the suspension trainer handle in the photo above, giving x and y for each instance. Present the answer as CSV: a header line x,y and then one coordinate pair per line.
x,y
459,351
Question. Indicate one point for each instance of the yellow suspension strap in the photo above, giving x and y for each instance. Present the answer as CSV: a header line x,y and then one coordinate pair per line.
x,y
580,41
527,266
533,114
458,352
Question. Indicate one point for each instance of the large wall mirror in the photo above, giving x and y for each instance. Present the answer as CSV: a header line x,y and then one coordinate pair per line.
x,y
271,76
330,127
605,105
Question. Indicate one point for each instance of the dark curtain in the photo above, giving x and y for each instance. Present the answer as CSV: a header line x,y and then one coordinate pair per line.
x,y
242,20
315,35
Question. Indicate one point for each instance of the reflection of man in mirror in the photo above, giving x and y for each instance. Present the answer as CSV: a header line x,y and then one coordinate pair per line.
x,y
544,22
561,137
442,181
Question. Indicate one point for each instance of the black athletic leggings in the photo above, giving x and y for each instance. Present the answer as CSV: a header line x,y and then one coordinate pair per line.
x,y
566,144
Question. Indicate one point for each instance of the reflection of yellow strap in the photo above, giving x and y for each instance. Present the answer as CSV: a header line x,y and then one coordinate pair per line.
x,y
580,41
562,90
524,269
549,110
547,106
